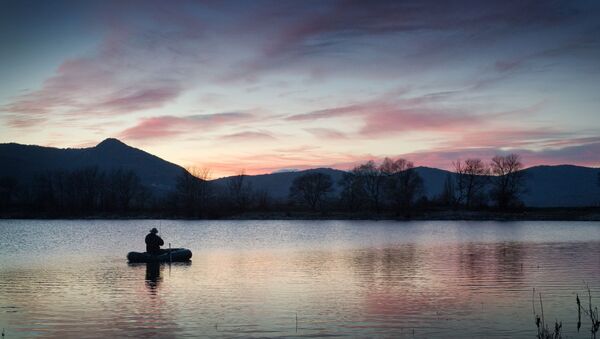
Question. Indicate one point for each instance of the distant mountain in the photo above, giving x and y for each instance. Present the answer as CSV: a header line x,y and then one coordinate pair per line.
x,y
547,186
278,184
563,185
25,161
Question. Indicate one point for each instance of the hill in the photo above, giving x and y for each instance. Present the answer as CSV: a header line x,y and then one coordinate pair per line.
x,y
25,161
562,186
547,186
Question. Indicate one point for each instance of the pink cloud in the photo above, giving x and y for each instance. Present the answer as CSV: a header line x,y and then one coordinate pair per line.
x,y
92,85
134,66
140,99
383,117
18,121
327,133
509,137
248,136
157,127
164,126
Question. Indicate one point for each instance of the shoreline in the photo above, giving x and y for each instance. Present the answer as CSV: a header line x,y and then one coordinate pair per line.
x,y
542,214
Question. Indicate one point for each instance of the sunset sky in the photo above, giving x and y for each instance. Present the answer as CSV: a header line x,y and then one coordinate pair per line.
x,y
271,85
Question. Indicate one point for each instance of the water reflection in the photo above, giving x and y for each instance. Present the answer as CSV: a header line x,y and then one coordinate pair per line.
x,y
152,277
375,288
509,262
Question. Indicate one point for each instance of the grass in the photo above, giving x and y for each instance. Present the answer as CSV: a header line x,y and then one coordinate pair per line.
x,y
591,312
544,331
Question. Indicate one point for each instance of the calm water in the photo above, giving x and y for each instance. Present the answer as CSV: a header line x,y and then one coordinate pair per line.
x,y
255,278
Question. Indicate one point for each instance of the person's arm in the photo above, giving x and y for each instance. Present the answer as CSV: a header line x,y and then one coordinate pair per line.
x,y
160,241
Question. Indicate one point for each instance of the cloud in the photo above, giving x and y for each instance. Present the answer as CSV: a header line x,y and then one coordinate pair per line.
x,y
90,86
134,67
581,152
166,126
384,117
248,136
327,133
140,99
419,34
510,137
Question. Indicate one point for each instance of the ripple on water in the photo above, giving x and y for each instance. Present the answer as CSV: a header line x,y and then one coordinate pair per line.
x,y
282,278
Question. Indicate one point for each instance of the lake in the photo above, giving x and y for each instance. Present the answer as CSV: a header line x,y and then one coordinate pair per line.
x,y
422,279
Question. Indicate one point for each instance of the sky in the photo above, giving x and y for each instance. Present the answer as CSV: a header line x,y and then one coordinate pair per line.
x,y
264,86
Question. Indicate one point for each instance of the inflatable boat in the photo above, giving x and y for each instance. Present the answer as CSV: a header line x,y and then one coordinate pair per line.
x,y
166,255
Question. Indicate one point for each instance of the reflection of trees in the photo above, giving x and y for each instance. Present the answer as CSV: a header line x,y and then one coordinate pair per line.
x,y
500,262
474,261
509,261
391,264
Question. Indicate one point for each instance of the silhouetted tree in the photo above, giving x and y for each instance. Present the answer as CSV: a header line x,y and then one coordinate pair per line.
x,y
508,182
123,189
403,184
87,183
193,191
471,179
311,189
448,196
352,195
372,180
240,192
63,191
262,199
8,191
598,183
42,193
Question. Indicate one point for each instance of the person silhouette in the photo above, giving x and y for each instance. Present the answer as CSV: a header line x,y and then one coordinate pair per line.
x,y
153,242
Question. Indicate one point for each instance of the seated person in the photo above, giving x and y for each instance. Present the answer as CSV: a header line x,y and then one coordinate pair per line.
x,y
153,242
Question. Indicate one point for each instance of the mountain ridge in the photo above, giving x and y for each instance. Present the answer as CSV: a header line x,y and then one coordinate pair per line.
x,y
25,161
564,185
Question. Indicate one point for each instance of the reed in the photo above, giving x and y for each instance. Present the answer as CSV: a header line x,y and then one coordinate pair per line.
x,y
543,330
591,312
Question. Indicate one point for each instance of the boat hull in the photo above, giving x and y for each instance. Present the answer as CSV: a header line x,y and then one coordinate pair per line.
x,y
172,255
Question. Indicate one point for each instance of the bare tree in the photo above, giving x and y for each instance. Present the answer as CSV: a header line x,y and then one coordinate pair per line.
x,y
262,199
472,177
194,191
240,192
402,184
508,182
311,189
448,196
352,195
371,179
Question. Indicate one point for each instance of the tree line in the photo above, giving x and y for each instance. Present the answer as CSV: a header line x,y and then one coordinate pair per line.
x,y
83,191
395,186
392,186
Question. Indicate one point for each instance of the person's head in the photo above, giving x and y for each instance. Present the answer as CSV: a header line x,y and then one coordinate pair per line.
x,y
154,230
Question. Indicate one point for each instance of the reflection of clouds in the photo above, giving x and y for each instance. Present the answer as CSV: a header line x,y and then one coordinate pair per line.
x,y
364,291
